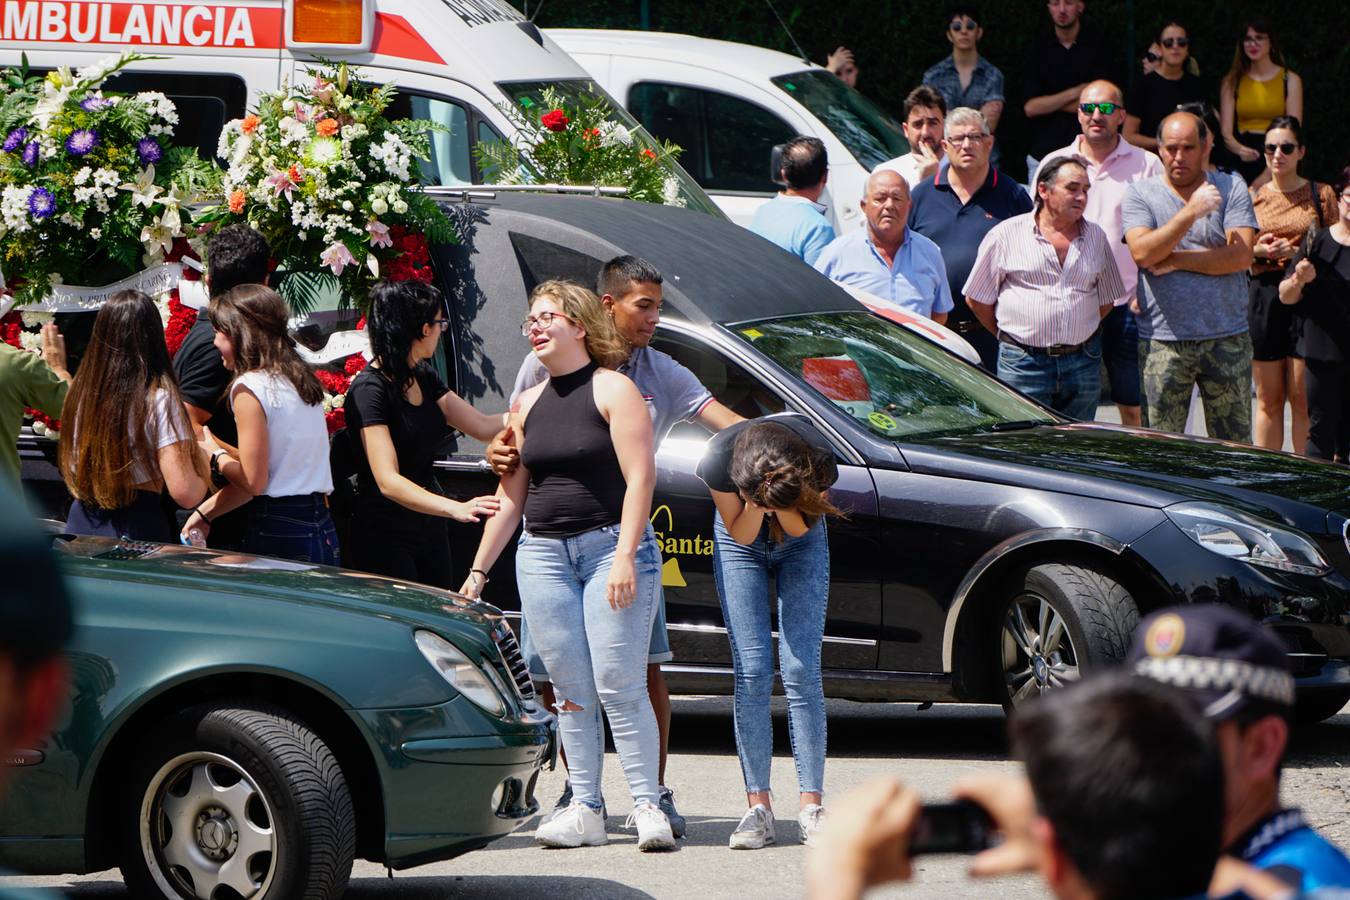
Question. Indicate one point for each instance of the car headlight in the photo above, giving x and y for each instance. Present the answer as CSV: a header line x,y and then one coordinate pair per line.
x,y
1237,535
462,673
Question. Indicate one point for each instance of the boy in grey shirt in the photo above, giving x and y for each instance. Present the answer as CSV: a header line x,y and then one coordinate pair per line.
x,y
1191,233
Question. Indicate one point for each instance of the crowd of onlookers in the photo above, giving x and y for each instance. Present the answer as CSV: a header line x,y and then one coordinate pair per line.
x,y
1167,238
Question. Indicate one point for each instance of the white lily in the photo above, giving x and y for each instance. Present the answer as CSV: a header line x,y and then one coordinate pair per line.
x,y
144,191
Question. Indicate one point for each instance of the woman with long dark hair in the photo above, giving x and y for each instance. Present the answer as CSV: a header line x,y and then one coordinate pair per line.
x,y
400,416
1258,87
768,479
283,440
1317,284
125,436
1287,207
587,562
1173,81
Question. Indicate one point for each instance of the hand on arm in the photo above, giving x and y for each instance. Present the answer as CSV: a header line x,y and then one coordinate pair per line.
x,y
502,453
630,430
1150,246
395,486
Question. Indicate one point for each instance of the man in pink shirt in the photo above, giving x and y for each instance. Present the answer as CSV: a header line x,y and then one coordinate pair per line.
x,y
1113,163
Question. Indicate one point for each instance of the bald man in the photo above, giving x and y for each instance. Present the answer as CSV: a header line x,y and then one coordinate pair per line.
x,y
1191,234
887,259
1112,165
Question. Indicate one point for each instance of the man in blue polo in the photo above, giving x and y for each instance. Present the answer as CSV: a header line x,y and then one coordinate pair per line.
x,y
958,207
795,219
887,259
1237,671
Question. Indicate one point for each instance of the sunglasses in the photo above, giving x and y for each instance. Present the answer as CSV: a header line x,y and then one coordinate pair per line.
x,y
966,25
1169,43
1286,148
1151,56
1105,109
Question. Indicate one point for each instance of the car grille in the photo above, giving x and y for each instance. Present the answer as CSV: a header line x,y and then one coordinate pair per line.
x,y
509,648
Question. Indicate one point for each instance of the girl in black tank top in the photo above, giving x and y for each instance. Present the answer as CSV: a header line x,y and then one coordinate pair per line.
x,y
587,564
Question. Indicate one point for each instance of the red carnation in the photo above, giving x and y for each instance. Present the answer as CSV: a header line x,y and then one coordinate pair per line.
x,y
554,120
333,382
11,326
181,320
336,420
354,364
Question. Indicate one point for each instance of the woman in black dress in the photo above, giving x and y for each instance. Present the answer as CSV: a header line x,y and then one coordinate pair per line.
x,y
1173,81
1318,282
400,416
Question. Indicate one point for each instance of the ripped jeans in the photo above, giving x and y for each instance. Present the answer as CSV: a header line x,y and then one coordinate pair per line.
x,y
596,656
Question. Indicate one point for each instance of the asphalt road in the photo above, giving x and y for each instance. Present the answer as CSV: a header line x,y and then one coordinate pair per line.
x,y
929,750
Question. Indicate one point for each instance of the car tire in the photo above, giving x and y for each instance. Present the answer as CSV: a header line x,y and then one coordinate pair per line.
x,y
1317,706
1055,621
238,796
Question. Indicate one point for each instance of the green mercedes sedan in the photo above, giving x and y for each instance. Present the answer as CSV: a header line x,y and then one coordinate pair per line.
x,y
244,727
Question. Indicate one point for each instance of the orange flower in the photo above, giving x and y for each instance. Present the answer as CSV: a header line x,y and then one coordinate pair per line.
x,y
294,173
250,124
237,200
649,153
326,127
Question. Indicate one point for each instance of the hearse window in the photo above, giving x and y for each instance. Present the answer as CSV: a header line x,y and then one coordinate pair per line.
x,y
731,385
451,160
727,140
205,103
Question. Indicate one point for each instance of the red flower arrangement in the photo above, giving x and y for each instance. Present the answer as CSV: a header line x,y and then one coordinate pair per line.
x,y
413,262
554,120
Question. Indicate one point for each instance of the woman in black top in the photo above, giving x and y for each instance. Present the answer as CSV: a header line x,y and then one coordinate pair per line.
x,y
1318,281
1161,91
587,562
403,414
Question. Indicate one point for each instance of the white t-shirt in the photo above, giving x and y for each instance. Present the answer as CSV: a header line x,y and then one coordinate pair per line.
x,y
163,428
907,166
297,438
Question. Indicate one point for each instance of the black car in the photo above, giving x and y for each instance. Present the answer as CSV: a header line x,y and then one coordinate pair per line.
x,y
992,548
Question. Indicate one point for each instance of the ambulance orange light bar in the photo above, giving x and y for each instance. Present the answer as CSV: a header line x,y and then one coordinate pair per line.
x,y
345,25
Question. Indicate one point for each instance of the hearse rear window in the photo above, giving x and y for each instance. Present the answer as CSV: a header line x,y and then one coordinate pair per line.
x,y
205,103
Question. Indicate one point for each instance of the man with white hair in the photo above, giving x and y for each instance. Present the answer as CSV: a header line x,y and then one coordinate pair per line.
x,y
1042,284
886,258
960,205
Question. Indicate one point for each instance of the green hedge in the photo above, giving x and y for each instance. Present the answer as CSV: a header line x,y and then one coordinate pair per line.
x,y
895,42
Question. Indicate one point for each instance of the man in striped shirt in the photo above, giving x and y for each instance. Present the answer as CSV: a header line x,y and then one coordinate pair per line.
x,y
1042,283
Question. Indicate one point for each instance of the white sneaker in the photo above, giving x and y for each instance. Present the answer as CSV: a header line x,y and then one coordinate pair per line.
x,y
809,822
653,828
576,826
755,830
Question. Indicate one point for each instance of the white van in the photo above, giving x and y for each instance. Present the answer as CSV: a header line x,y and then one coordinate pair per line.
x,y
729,104
454,61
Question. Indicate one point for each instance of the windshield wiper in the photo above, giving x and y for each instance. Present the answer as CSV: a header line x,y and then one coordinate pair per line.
x,y
1018,425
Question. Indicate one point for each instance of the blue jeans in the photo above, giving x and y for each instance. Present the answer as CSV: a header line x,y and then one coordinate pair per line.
x,y
1070,384
596,655
296,527
800,568
1120,347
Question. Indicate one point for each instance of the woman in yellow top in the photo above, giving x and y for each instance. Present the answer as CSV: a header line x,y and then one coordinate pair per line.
x,y
1256,89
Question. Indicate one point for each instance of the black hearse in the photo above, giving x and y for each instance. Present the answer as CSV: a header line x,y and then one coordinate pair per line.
x,y
992,548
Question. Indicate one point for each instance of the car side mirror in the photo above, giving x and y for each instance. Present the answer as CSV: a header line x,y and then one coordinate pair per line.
x,y
776,165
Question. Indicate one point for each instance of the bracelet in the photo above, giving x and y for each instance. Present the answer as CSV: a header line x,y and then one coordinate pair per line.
x,y
480,573
198,510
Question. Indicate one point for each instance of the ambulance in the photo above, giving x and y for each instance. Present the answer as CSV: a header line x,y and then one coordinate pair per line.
x,y
455,62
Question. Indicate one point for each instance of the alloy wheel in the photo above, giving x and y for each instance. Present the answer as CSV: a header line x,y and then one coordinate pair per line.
x,y
207,830
1037,649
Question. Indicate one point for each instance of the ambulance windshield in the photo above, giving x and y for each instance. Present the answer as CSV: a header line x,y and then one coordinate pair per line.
x,y
572,91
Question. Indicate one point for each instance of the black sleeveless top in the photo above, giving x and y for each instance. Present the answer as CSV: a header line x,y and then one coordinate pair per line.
x,y
576,484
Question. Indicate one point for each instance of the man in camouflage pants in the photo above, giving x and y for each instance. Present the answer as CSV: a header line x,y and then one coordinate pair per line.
x,y
1191,233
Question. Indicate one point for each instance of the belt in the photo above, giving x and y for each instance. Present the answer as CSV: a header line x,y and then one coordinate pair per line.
x,y
965,326
1052,350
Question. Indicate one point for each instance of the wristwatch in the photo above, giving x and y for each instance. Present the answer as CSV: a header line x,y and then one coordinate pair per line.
x,y
217,477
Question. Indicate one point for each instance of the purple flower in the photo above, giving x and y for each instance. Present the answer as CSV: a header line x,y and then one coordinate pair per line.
x,y
149,151
81,142
41,203
15,139
30,154
93,104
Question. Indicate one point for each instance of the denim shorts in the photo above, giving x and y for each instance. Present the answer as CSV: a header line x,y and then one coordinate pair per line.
x,y
658,651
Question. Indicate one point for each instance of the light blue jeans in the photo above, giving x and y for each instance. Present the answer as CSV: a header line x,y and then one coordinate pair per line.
x,y
1070,384
800,568
596,655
